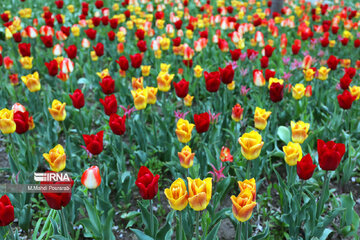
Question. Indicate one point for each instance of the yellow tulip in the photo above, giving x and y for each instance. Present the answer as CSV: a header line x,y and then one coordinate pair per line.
x,y
57,110
183,130
293,153
26,62
260,118
104,73
248,184
199,193
140,98
355,91
177,195
251,144
32,82
231,86
164,67
7,124
323,73
186,157
56,158
137,83
145,70
308,74
164,81
151,92
298,91
198,71
299,131
243,205
188,100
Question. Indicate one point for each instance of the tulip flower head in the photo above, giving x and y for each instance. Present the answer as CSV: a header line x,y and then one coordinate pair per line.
x,y
260,118
293,153
183,130
251,144
7,123
177,195
6,211
147,183
243,205
305,167
299,131
91,178
199,193
56,158
57,110
330,154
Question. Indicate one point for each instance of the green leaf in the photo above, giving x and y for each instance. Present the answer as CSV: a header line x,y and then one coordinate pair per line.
x,y
212,234
107,233
284,134
36,230
93,216
58,237
89,227
141,235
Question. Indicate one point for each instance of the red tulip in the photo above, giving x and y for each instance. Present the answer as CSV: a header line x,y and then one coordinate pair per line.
x,y
52,67
65,30
141,44
17,37
114,23
147,183
305,167
117,124
345,99
235,54
123,63
324,41
295,49
350,71
345,81
99,49
47,40
77,99
330,154
264,61
111,35
202,122
136,60
60,199
269,74
176,41
59,4
25,49
110,104
71,51
276,92
212,81
91,33
269,50
227,74
91,178
140,34
357,43
178,24
5,17
181,88
94,143
21,120
99,4
332,62
107,85
6,211
105,20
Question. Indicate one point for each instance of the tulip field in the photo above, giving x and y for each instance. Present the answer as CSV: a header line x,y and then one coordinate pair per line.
x,y
179,119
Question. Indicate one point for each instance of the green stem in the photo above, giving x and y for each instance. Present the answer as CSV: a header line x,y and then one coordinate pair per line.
x,y
239,230
248,169
322,199
197,225
151,218
64,224
180,226
246,230
11,232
